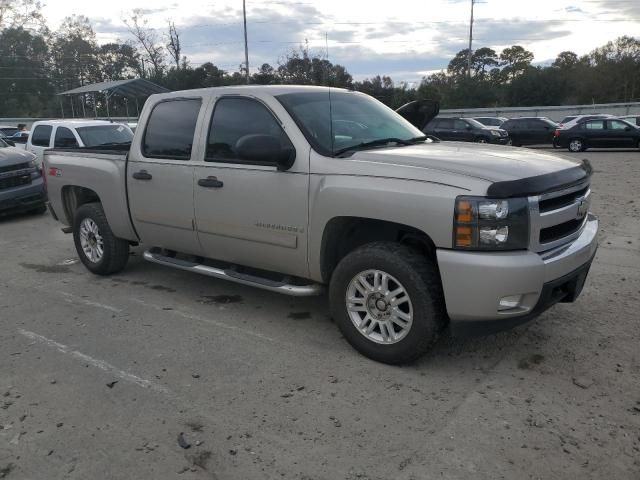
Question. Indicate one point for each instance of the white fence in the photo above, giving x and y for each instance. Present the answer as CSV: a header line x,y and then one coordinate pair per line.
x,y
14,121
554,112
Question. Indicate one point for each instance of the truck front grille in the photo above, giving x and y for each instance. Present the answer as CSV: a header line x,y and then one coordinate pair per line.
x,y
558,218
12,182
558,232
11,168
562,201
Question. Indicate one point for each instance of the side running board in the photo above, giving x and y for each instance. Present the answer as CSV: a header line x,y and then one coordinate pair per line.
x,y
154,255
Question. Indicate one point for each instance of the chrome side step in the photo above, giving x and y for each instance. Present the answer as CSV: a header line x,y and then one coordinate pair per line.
x,y
154,255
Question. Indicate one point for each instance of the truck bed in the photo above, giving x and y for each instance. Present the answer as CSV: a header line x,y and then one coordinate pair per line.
x,y
100,172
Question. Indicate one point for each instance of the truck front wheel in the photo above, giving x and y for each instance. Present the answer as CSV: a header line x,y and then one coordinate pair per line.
x,y
98,248
387,301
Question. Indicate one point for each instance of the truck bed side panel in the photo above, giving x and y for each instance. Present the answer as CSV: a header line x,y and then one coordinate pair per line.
x,y
103,173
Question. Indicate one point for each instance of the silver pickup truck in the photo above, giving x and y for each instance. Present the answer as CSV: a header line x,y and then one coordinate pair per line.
x,y
292,189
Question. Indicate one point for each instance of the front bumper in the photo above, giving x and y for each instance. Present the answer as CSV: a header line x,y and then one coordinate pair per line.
x,y
24,197
499,140
474,282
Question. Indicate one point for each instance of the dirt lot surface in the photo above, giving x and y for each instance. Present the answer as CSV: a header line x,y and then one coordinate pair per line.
x,y
109,378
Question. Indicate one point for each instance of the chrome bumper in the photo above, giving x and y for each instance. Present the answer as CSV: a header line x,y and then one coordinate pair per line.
x,y
475,282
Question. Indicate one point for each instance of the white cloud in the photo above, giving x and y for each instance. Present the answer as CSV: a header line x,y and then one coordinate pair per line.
x,y
418,36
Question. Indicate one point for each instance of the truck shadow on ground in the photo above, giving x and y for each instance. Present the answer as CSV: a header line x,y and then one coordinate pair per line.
x,y
309,316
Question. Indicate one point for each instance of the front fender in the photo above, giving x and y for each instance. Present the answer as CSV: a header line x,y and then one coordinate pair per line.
x,y
423,205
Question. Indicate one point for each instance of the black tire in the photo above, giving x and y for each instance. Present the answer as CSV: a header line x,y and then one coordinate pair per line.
x,y
421,280
115,250
482,140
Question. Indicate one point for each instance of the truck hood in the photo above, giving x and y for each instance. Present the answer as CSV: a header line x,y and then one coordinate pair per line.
x,y
12,156
493,163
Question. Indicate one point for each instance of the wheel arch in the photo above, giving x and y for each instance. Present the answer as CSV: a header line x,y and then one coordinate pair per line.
x,y
344,234
73,197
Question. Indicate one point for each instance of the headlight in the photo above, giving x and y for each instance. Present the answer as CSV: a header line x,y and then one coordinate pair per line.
x,y
486,224
32,164
495,133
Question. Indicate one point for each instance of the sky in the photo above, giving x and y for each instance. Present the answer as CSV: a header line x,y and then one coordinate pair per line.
x,y
405,39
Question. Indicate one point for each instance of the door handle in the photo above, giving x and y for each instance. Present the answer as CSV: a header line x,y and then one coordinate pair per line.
x,y
142,175
210,182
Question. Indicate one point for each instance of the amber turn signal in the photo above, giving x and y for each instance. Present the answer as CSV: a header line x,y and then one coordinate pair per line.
x,y
464,236
464,211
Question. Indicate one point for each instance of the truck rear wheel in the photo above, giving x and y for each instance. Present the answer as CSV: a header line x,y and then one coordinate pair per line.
x,y
387,301
98,248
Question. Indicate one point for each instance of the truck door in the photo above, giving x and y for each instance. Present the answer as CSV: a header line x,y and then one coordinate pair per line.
x,y
39,141
249,212
160,176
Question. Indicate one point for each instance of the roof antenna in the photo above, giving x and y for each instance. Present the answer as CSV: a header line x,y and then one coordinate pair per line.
x,y
328,80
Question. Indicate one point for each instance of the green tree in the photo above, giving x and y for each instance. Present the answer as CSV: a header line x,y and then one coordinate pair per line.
x,y
25,89
483,59
515,60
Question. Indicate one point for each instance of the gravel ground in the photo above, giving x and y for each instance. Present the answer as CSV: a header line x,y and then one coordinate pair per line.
x,y
108,377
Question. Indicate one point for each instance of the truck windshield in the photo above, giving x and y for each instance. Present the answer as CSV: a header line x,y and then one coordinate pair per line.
x,y
356,119
98,135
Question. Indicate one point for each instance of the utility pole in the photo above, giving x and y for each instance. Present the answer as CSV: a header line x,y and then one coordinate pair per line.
x,y
246,46
470,41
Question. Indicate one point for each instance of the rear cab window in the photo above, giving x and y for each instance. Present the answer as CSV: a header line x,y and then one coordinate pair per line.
x,y
41,136
105,135
170,129
64,138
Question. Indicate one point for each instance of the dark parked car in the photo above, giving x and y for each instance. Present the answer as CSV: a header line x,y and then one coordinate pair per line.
x,y
465,130
530,130
21,183
491,121
609,133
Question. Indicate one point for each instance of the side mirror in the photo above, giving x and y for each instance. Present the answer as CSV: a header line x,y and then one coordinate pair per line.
x,y
419,112
265,149
627,129
11,143
468,127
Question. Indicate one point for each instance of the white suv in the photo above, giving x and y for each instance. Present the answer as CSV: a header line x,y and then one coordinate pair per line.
x,y
75,134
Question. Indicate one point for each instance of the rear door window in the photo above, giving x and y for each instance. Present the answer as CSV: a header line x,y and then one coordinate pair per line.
x,y
41,136
594,125
64,138
460,124
171,129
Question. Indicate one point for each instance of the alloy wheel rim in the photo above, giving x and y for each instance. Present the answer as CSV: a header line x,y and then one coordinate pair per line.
x,y
575,145
379,307
91,241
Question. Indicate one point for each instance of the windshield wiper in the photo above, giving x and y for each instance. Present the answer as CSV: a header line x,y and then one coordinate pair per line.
x,y
378,142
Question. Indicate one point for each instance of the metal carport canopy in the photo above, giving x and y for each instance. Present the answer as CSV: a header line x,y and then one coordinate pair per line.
x,y
135,87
